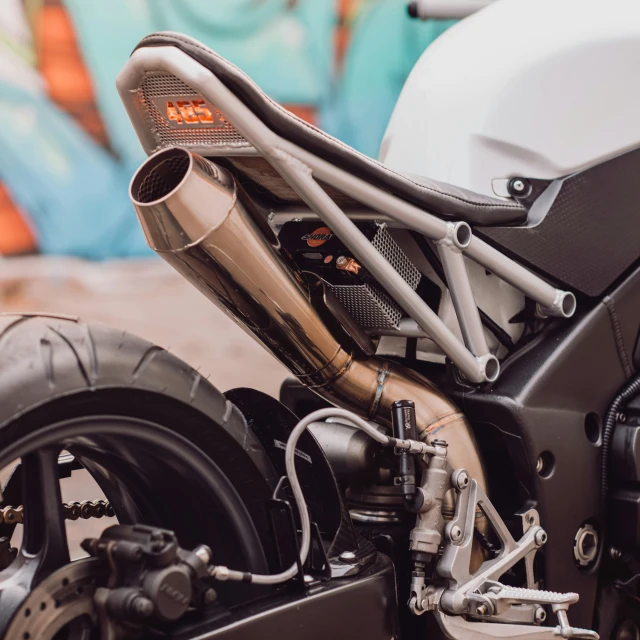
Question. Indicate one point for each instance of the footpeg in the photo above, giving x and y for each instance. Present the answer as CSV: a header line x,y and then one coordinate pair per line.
x,y
502,603
499,607
517,595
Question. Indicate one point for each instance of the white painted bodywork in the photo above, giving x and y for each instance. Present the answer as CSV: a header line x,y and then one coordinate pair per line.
x,y
531,88
534,88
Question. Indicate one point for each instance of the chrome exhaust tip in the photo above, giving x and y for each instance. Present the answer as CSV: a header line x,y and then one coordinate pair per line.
x,y
180,198
160,176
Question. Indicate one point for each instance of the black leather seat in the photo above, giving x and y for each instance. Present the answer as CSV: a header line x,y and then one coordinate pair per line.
x,y
436,197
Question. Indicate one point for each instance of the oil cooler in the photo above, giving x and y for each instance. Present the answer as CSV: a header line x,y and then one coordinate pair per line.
x,y
315,248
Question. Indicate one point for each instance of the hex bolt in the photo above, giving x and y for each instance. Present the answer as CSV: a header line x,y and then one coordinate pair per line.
x,y
455,534
341,260
541,537
462,481
482,610
348,556
615,554
541,615
585,547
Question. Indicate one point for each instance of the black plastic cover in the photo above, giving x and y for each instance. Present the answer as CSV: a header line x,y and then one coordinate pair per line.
x,y
624,518
591,233
364,606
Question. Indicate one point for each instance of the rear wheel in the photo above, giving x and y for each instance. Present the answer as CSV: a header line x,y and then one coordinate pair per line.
x,y
163,445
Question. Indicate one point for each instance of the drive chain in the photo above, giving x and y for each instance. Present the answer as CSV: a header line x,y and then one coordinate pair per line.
x,y
72,511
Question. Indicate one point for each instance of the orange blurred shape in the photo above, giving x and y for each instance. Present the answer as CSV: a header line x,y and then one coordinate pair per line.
x,y
347,11
306,113
61,65
15,234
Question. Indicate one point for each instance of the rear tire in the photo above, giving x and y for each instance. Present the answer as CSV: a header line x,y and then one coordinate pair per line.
x,y
55,369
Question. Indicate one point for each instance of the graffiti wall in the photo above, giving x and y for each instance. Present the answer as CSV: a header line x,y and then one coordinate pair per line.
x,y
69,150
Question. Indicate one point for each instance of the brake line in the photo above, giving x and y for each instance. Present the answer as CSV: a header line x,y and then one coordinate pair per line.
x,y
220,572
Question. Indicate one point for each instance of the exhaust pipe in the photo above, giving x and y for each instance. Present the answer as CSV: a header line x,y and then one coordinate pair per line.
x,y
195,216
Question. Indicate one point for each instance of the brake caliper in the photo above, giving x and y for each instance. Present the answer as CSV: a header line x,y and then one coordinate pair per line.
x,y
151,579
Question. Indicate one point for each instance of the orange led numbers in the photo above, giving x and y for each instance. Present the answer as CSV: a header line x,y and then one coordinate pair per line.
x,y
204,113
173,113
189,112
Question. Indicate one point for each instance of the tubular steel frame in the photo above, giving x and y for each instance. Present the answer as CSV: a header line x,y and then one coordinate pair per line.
x,y
302,169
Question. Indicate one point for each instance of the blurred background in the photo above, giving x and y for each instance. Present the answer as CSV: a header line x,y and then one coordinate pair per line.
x,y
69,239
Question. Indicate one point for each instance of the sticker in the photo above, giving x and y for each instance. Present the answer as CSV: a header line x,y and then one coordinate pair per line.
x,y
301,454
318,237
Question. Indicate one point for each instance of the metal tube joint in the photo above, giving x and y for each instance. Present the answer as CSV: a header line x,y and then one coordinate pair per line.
x,y
564,305
458,236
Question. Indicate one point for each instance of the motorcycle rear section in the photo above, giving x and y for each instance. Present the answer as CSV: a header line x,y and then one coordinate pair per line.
x,y
475,504
263,174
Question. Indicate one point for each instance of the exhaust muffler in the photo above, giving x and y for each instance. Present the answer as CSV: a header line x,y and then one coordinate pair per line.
x,y
197,218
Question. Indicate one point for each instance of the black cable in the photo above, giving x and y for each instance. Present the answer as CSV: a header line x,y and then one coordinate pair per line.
x,y
501,335
619,337
628,392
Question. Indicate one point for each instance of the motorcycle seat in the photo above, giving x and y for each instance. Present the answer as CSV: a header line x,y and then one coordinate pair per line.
x,y
441,199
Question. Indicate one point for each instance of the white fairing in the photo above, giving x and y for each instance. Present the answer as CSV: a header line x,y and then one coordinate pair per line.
x,y
533,88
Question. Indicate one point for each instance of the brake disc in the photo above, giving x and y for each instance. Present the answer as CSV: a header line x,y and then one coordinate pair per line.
x,y
64,598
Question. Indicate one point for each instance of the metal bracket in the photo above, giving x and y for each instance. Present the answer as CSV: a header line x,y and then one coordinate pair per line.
x,y
480,595
455,562
285,534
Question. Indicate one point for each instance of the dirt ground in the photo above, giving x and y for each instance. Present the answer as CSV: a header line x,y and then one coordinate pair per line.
x,y
147,298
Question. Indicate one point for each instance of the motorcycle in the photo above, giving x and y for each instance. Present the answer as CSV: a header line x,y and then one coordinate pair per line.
x,y
457,451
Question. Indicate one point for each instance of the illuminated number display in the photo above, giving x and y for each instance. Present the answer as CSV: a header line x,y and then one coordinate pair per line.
x,y
181,113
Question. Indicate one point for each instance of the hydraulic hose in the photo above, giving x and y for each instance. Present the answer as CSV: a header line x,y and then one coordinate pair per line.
x,y
224,573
